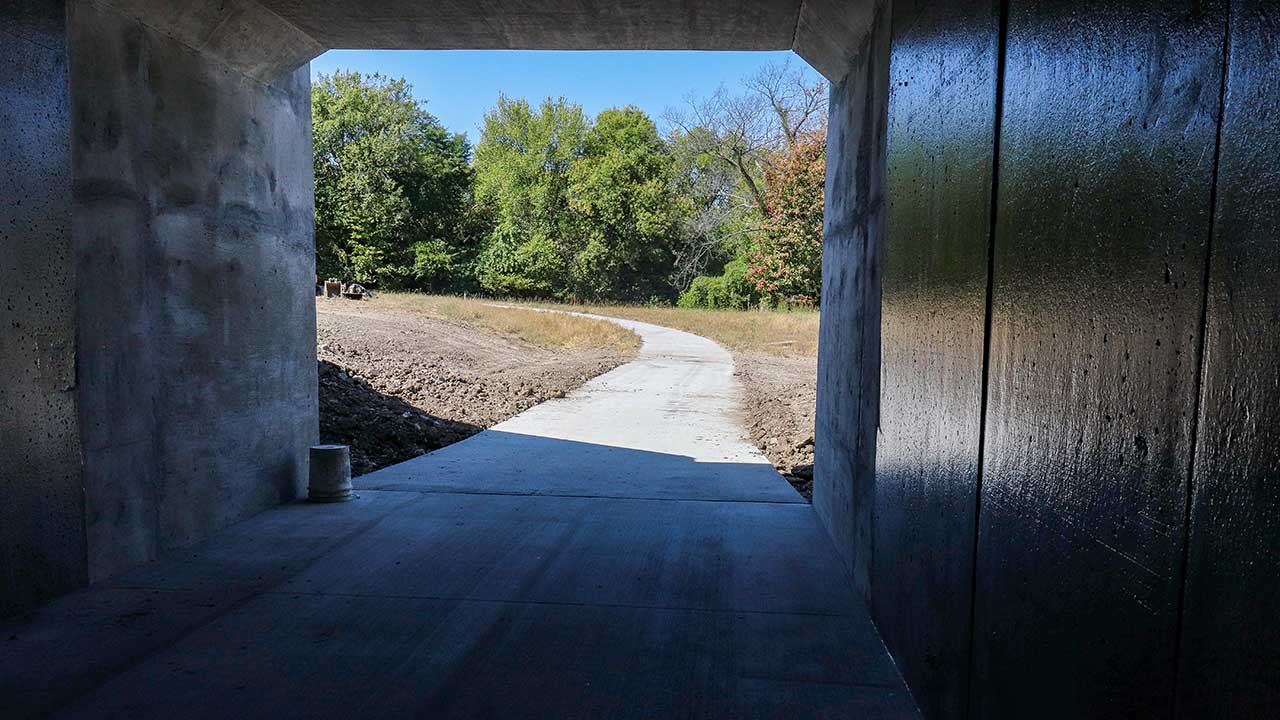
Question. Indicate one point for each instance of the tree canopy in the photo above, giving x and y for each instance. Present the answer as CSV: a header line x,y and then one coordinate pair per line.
x,y
786,262
522,183
580,208
627,211
392,185
723,210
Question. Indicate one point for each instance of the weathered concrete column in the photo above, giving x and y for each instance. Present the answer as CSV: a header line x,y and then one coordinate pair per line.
x,y
849,341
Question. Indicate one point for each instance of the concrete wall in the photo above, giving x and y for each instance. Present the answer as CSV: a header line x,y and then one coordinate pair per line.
x,y
158,322
849,337
1228,666
938,227
1074,508
193,238
41,501
1102,221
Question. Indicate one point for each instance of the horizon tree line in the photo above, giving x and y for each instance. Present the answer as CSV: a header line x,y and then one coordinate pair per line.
x,y
723,209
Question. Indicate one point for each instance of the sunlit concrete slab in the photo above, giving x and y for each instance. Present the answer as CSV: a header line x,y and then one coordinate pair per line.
x,y
666,425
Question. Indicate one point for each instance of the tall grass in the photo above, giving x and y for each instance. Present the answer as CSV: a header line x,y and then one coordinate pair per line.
x,y
785,333
549,330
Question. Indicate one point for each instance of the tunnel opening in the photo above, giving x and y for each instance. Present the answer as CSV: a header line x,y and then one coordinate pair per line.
x,y
190,170
702,204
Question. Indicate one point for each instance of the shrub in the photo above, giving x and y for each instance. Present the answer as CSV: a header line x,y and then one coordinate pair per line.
x,y
730,290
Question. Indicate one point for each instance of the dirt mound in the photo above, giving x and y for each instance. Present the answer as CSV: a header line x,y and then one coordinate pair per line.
x,y
396,385
781,401
381,429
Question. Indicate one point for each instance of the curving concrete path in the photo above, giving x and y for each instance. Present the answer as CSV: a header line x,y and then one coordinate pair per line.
x,y
623,552
666,425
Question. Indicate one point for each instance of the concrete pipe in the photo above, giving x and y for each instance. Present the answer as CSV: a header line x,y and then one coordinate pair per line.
x,y
330,474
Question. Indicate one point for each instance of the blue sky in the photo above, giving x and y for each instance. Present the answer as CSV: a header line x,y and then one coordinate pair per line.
x,y
459,85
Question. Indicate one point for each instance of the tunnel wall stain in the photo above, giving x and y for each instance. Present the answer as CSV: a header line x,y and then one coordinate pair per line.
x,y
1230,665
934,305
42,542
193,242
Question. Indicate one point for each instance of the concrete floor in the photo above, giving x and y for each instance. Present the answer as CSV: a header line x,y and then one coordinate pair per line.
x,y
621,553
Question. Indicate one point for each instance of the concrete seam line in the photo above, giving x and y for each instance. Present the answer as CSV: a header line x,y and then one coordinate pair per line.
x,y
288,24
496,493
1201,364
1002,33
207,57
795,26
31,41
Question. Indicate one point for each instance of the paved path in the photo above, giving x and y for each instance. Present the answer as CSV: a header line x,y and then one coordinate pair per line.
x,y
664,426
623,552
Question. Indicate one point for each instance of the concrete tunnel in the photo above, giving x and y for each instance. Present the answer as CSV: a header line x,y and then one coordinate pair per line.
x,y
1048,444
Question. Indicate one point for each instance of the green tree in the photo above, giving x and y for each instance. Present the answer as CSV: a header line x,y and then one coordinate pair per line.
x,y
715,230
392,185
628,212
522,179
578,208
748,135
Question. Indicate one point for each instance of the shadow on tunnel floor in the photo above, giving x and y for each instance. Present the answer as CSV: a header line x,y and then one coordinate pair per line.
x,y
502,462
558,563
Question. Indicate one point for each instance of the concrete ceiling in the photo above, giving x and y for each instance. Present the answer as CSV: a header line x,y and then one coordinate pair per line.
x,y
545,24
267,38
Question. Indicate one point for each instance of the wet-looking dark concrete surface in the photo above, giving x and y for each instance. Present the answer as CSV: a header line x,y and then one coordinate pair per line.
x,y
1075,488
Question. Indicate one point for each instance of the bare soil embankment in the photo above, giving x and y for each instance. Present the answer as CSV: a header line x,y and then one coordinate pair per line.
x,y
396,382
780,404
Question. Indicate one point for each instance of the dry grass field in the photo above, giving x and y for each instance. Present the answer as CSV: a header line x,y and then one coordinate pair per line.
x,y
547,330
777,333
